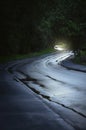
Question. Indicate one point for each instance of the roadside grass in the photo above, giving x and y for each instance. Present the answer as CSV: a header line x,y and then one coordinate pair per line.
x,y
4,59
80,59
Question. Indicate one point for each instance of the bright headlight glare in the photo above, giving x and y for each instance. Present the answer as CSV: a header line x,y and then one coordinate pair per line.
x,y
56,47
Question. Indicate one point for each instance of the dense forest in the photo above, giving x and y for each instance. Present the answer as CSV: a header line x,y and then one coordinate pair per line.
x,y
29,26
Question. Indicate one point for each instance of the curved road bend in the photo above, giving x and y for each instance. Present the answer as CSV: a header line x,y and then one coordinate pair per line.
x,y
41,94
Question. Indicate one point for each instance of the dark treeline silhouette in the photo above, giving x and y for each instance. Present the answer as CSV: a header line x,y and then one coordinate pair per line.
x,y
28,26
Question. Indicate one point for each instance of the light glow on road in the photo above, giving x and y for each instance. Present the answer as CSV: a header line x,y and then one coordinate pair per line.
x,y
62,45
57,47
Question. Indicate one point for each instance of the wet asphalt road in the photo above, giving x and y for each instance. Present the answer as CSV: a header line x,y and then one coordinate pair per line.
x,y
39,93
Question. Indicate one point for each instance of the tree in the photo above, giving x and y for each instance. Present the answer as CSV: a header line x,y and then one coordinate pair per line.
x,y
34,25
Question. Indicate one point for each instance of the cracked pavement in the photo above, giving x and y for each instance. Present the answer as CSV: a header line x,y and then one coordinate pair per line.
x,y
38,93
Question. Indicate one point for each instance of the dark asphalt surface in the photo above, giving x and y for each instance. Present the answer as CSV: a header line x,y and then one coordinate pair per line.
x,y
70,65
22,109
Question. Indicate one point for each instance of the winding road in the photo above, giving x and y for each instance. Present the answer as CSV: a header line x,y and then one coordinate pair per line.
x,y
61,90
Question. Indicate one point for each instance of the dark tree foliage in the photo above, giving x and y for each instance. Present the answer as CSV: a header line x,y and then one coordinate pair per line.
x,y
28,26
